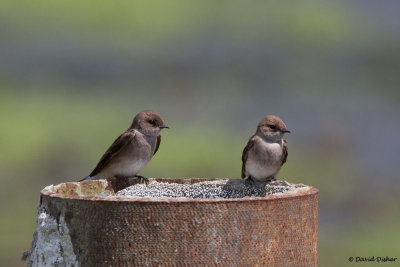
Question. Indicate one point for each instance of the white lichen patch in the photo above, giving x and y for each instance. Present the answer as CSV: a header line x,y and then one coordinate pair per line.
x,y
52,244
50,188
209,189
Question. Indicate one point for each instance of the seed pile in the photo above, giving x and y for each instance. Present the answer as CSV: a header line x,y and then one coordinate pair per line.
x,y
208,189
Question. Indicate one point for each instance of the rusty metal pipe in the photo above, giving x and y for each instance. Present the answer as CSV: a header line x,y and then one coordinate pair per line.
x,y
276,230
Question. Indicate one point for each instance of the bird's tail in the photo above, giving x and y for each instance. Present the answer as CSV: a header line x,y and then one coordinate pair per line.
x,y
89,178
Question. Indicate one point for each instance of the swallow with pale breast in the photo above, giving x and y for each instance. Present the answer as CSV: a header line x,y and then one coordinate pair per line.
x,y
132,150
266,151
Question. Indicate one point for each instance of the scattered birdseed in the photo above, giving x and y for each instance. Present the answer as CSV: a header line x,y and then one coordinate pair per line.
x,y
233,188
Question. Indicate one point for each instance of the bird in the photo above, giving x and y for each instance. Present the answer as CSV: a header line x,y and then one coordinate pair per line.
x,y
132,150
266,151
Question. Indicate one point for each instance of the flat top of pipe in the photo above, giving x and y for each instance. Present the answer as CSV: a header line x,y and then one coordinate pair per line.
x,y
179,190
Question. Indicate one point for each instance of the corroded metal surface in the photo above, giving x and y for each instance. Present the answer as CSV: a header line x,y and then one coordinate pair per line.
x,y
276,230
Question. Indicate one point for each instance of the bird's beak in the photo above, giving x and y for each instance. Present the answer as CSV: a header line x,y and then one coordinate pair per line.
x,y
285,131
164,126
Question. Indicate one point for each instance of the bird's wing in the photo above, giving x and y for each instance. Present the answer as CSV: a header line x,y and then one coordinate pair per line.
x,y
285,152
245,155
158,142
114,150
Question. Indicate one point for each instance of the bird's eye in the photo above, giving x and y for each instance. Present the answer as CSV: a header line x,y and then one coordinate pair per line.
x,y
273,127
152,122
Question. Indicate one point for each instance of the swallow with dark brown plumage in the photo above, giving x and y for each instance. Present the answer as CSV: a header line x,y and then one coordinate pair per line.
x,y
132,150
266,151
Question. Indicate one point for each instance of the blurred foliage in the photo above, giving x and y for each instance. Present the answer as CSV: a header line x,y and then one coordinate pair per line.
x,y
74,73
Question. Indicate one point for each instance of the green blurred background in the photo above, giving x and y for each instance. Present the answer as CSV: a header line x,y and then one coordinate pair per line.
x,y
74,73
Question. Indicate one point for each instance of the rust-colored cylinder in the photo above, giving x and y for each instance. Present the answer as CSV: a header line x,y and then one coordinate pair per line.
x,y
95,230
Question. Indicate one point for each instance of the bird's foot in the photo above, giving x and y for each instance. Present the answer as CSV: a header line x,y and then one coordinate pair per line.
x,y
120,182
143,179
249,181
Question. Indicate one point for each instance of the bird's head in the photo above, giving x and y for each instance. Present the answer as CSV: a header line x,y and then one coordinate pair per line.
x,y
272,128
148,122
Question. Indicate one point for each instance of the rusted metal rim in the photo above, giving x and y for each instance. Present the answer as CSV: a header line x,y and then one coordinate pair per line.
x,y
69,191
85,226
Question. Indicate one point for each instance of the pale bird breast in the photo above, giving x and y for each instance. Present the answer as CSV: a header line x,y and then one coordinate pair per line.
x,y
128,167
269,151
